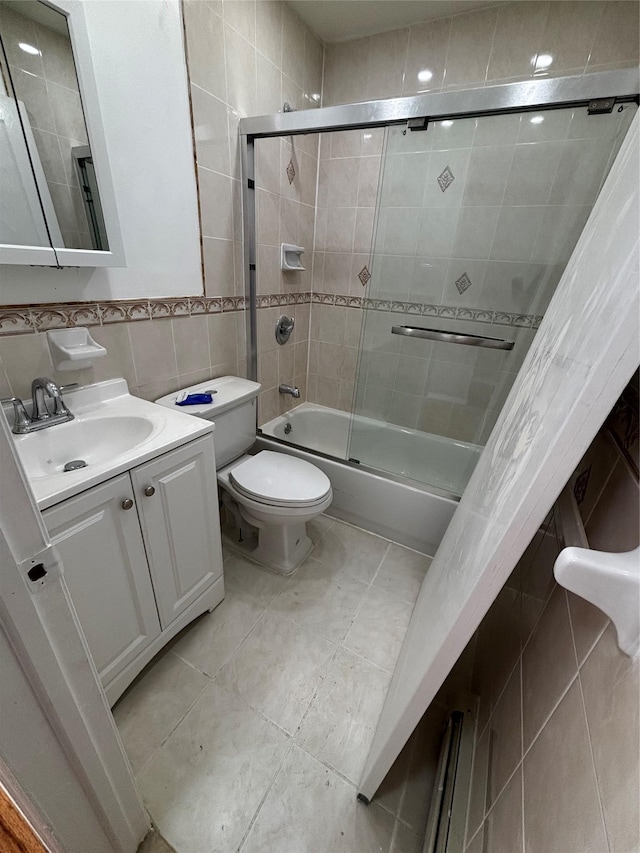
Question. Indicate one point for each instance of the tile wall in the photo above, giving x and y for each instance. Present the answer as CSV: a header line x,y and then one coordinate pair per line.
x,y
48,86
244,58
156,346
556,765
507,271
347,187
489,244
247,58
503,43
455,391
286,181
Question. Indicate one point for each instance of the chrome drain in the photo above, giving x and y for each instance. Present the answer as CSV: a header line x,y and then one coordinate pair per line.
x,y
74,465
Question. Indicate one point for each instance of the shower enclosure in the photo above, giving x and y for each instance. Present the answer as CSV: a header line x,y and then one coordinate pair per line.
x,y
442,225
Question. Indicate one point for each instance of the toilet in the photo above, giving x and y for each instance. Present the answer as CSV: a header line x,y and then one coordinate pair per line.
x,y
270,496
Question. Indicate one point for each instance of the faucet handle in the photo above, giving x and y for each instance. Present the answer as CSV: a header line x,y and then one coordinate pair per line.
x,y
59,406
21,419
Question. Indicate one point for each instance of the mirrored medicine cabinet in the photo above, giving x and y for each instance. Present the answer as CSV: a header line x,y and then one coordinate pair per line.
x,y
57,206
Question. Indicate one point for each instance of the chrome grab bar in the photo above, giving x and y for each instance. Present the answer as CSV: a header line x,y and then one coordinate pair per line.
x,y
452,337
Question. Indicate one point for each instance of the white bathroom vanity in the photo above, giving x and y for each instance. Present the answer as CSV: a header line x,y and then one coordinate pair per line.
x,y
137,527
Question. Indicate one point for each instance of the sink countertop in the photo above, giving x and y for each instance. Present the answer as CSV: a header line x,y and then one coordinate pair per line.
x,y
111,399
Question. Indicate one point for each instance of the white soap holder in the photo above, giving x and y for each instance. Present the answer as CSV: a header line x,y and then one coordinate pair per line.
x,y
290,257
73,349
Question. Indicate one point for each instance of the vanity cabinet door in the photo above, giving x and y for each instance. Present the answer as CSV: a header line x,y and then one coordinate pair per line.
x,y
106,570
177,500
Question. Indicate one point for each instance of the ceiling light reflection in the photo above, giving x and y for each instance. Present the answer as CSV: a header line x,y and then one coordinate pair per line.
x,y
29,48
543,61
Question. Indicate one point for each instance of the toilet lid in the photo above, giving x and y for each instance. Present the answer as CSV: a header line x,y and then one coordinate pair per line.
x,y
281,480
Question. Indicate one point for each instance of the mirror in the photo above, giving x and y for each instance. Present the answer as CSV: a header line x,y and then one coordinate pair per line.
x,y
39,92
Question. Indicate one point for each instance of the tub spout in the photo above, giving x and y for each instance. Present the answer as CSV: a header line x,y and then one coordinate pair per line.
x,y
290,389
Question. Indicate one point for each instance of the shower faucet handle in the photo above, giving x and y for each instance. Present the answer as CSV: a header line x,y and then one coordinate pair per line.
x,y
284,327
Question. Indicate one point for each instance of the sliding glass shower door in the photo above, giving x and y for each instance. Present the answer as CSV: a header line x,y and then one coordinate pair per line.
x,y
476,219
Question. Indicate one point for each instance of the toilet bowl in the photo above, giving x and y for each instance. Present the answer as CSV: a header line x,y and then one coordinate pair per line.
x,y
278,495
271,495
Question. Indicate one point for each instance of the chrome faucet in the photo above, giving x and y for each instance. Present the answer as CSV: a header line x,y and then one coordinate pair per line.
x,y
40,414
41,417
290,389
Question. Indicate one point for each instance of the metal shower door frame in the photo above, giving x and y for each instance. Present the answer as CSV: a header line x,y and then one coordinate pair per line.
x,y
525,96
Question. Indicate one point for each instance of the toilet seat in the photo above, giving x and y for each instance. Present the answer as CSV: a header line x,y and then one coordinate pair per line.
x,y
277,479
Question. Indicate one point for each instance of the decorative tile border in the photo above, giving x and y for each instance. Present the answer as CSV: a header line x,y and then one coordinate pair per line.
x,y
61,317
170,308
452,312
124,312
15,321
28,319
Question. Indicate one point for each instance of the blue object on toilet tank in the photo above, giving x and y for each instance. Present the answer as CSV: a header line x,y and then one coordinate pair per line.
x,y
195,399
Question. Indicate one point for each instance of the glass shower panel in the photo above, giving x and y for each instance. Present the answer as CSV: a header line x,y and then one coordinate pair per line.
x,y
476,220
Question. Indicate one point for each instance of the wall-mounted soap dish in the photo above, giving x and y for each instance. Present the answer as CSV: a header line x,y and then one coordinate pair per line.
x,y
290,257
610,581
73,349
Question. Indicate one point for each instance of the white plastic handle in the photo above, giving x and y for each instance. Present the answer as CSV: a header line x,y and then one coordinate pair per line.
x,y
609,581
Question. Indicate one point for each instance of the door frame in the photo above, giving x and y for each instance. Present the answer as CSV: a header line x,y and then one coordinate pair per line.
x,y
52,672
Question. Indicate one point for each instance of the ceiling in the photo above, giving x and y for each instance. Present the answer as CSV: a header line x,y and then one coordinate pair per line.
x,y
340,20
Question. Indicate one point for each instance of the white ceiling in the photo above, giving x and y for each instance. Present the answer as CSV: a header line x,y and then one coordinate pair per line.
x,y
340,20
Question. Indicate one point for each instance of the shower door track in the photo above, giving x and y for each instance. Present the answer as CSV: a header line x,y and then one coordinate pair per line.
x,y
528,95
487,100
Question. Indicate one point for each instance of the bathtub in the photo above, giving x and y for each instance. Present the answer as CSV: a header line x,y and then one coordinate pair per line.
x,y
398,506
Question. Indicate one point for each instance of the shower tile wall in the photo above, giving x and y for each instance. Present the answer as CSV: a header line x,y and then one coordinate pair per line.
x,y
48,84
477,48
347,189
504,43
435,387
286,181
479,216
557,741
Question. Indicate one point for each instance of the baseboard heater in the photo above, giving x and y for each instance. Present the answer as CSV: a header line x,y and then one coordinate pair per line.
x,y
450,799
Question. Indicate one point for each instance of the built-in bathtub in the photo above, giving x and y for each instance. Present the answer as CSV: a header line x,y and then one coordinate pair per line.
x,y
413,504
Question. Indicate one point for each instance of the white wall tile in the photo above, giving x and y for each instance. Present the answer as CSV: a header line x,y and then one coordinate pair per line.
x,y
205,47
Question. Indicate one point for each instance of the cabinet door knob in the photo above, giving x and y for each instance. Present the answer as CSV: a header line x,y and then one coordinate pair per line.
x,y
149,491
127,503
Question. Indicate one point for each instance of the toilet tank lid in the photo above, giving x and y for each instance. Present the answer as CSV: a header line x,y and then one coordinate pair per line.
x,y
229,391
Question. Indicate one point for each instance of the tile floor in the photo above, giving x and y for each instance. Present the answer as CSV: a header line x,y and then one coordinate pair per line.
x,y
250,733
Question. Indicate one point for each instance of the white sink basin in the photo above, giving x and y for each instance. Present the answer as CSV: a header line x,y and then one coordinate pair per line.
x,y
112,432
93,440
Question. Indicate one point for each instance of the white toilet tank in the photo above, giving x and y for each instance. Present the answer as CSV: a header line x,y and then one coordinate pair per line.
x,y
233,411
